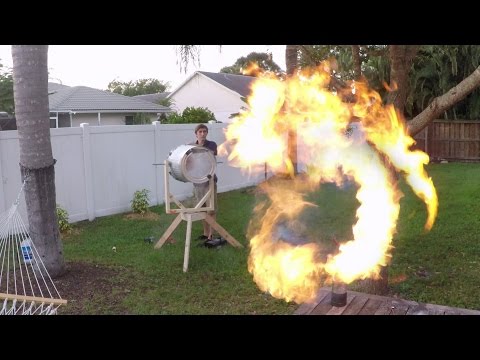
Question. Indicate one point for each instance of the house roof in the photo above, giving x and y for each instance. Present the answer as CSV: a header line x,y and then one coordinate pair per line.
x,y
89,100
154,98
54,87
237,83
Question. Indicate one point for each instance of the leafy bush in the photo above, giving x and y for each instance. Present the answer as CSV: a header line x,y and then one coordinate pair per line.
x,y
174,118
191,115
140,201
62,217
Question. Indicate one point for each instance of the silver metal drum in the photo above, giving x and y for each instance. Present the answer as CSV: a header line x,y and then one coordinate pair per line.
x,y
192,163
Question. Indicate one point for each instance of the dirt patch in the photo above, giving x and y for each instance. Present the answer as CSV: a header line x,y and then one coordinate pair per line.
x,y
147,216
93,289
70,233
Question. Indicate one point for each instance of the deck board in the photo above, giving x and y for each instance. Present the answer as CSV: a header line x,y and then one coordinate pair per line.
x,y
368,304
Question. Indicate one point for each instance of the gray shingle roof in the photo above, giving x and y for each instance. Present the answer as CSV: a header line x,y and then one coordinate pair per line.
x,y
86,99
154,98
238,83
53,87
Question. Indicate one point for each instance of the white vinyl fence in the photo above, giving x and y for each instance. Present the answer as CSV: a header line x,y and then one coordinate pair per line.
x,y
99,168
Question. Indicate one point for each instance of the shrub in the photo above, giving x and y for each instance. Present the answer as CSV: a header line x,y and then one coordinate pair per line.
x,y
62,218
174,118
194,115
191,115
140,201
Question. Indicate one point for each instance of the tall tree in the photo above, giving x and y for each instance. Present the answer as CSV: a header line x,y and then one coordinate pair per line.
x,y
6,91
263,60
138,87
30,86
401,58
393,64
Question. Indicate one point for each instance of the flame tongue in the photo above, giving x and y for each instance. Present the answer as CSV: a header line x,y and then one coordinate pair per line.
x,y
294,270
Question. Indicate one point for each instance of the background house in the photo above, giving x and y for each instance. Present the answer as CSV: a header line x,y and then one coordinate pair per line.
x,y
220,93
71,106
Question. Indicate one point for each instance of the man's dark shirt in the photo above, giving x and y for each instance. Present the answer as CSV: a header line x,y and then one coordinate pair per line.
x,y
211,145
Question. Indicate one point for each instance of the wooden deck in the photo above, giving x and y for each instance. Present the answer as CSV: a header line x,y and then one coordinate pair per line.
x,y
367,304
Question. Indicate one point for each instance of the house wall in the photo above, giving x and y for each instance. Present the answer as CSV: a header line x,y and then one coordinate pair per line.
x,y
105,119
203,92
99,168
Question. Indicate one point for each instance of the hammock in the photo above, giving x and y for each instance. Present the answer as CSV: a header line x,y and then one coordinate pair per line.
x,y
26,288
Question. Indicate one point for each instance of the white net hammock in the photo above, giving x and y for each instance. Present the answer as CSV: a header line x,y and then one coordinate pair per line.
x,y
26,288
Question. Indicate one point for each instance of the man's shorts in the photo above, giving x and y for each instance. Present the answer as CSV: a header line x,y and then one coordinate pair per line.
x,y
200,190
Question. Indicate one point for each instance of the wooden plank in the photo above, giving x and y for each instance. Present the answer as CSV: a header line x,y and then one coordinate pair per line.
x,y
168,232
384,309
306,308
475,122
35,299
369,304
419,309
460,311
324,306
455,140
338,310
399,307
370,307
356,305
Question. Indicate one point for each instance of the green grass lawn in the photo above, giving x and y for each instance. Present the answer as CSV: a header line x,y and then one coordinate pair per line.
x,y
440,266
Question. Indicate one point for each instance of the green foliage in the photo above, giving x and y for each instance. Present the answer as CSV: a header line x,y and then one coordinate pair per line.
x,y
6,91
263,60
140,201
141,119
62,217
138,87
174,118
191,115
436,70
168,102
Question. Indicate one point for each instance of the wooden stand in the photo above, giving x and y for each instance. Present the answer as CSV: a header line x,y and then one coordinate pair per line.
x,y
189,215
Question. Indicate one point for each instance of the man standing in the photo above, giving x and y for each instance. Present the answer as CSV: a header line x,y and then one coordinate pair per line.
x,y
201,132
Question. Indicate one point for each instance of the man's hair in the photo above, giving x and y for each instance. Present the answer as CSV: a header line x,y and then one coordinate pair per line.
x,y
201,126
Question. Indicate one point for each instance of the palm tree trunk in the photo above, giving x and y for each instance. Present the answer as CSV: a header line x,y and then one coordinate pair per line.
x,y
30,86
357,62
401,57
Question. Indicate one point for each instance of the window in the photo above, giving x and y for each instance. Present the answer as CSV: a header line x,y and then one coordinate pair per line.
x,y
129,120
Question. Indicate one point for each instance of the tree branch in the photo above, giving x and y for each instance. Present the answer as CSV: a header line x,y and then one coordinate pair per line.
x,y
444,102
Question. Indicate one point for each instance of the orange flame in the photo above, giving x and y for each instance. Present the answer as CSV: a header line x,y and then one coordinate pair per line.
x,y
294,271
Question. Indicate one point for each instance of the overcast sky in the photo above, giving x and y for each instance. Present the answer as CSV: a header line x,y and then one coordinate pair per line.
x,y
96,65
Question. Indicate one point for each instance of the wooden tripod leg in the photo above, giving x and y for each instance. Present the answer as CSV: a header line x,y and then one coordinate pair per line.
x,y
187,243
232,241
169,231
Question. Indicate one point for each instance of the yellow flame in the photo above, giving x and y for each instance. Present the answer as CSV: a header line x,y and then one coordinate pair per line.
x,y
295,271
